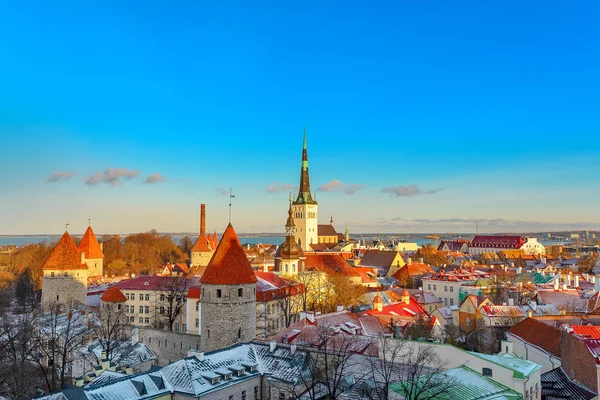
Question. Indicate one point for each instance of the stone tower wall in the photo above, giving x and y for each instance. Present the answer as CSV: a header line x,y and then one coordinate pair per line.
x,y
201,258
222,318
63,289
306,218
95,266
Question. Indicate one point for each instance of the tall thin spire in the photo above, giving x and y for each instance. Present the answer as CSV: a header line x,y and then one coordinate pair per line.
x,y
304,195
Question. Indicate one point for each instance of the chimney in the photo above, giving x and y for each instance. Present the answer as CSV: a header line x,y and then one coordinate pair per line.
x,y
533,305
203,218
292,349
409,261
543,272
543,260
200,356
519,270
564,286
529,313
576,281
511,302
421,260
597,285
272,345
592,279
556,283
568,280
378,303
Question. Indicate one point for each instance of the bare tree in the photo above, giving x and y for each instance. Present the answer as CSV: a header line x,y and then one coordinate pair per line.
x,y
61,331
113,333
17,354
313,282
172,291
332,367
290,302
413,369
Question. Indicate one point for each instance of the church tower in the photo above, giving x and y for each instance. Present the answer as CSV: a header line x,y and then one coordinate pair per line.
x,y
289,258
204,247
228,296
305,209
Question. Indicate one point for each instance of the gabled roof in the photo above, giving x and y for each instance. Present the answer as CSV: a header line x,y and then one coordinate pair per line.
x,y
193,293
379,258
65,255
202,244
499,242
556,385
476,300
330,264
413,270
539,334
326,230
113,295
401,309
89,245
229,264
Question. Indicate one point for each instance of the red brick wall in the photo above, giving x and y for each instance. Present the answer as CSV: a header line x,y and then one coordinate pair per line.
x,y
577,361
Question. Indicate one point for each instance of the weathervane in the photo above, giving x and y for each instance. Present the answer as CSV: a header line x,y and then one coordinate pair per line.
x,y
231,196
67,227
89,221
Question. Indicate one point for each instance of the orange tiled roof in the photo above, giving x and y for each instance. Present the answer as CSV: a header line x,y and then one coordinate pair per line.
x,y
193,293
413,270
215,240
539,334
229,265
587,332
202,244
329,263
65,255
89,245
113,295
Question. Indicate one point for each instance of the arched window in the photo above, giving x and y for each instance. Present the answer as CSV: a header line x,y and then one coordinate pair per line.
x,y
240,292
218,293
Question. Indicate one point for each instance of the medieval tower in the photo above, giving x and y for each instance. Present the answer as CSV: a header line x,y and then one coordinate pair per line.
x,y
205,246
228,296
65,274
289,258
305,208
92,250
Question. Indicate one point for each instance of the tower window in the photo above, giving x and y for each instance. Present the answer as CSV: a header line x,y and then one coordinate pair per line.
x,y
239,333
240,292
218,293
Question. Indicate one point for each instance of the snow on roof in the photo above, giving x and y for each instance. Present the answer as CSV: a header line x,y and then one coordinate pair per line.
x,y
521,368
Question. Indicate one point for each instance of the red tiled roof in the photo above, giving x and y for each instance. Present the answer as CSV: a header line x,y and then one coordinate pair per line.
x,y
229,265
193,293
113,295
378,258
587,332
413,270
215,240
202,244
377,299
326,230
270,287
500,242
367,275
329,263
539,334
154,282
65,255
89,245
401,309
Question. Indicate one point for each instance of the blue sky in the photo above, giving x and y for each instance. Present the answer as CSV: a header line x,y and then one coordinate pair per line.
x,y
427,115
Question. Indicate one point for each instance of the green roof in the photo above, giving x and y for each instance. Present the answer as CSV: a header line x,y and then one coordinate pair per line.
x,y
521,368
534,277
470,385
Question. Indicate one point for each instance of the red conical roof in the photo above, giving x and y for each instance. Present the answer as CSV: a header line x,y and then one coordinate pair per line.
x,y
202,244
215,240
113,295
229,265
65,255
90,246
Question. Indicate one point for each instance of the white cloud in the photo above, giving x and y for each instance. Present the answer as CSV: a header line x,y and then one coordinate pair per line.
x,y
335,185
112,176
60,176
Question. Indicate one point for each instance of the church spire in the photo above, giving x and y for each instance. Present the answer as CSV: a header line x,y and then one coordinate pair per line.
x,y
304,195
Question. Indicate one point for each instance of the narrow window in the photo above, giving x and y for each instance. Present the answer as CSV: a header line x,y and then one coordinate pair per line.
x,y
240,292
218,293
239,333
